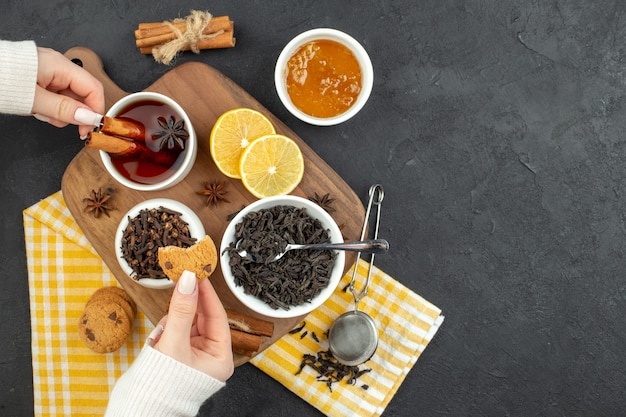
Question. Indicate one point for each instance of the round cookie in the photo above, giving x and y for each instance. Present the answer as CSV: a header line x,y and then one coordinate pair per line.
x,y
116,295
200,258
104,326
117,291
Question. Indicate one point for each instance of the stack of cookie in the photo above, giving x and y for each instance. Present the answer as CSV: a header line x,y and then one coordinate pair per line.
x,y
107,319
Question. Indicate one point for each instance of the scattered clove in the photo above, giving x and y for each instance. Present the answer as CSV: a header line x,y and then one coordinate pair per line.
x,y
330,370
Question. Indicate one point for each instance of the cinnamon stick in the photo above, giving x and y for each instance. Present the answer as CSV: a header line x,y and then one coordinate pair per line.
x,y
162,34
149,25
225,40
244,343
150,28
124,128
251,325
111,144
124,147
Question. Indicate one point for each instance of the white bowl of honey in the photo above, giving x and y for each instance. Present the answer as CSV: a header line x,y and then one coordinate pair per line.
x,y
153,143
324,76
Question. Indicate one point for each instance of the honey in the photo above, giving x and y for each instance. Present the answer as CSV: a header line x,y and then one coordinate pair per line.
x,y
323,78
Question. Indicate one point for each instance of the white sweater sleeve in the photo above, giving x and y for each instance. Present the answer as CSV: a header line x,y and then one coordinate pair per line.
x,y
18,76
156,385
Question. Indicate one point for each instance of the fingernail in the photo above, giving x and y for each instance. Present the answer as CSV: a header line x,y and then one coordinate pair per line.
x,y
155,334
41,117
187,283
85,116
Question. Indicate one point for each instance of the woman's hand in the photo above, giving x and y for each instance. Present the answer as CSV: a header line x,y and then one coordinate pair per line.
x,y
196,331
62,88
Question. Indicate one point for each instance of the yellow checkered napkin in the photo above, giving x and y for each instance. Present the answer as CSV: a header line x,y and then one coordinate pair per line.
x,y
70,380
63,272
406,324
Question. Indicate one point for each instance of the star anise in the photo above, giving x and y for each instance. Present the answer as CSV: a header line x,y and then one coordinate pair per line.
x,y
98,203
214,192
173,134
324,201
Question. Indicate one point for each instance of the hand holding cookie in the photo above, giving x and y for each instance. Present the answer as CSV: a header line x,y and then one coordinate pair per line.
x,y
196,330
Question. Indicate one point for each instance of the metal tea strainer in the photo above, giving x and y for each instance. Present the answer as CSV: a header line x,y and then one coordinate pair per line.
x,y
353,337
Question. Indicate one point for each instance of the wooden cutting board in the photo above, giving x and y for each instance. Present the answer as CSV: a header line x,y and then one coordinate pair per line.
x,y
205,94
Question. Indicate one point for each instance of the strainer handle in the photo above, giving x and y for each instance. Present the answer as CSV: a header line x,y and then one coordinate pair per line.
x,y
376,195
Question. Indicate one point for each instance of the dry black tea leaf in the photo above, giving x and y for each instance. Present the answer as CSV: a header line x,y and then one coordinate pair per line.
x,y
297,329
330,370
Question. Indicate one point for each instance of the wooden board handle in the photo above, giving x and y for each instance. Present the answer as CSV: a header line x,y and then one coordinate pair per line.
x,y
88,59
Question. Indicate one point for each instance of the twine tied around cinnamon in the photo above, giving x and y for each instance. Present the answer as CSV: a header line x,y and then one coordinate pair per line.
x,y
196,22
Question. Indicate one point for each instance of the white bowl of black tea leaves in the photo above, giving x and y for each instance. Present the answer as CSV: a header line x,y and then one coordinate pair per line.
x,y
301,280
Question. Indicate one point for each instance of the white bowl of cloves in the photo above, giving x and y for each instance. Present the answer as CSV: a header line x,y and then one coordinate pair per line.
x,y
147,226
146,142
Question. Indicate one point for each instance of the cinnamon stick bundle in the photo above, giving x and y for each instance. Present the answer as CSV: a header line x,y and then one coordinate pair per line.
x,y
158,33
198,31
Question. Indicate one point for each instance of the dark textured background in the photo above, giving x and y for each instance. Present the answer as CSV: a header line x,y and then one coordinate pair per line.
x,y
496,128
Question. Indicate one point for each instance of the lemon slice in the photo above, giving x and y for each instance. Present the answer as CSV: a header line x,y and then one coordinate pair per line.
x,y
271,165
233,131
